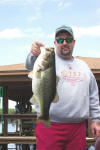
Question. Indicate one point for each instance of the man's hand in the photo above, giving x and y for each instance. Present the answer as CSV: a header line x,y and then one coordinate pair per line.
x,y
35,49
95,128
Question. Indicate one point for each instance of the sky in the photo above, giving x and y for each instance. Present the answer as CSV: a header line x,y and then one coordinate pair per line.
x,y
25,21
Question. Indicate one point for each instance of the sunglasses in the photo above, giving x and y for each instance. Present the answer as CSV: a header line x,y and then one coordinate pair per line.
x,y
61,40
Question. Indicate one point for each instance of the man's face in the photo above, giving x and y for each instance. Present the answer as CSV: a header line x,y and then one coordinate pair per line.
x,y
64,49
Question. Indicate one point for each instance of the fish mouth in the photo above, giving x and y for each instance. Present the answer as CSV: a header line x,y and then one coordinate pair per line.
x,y
50,49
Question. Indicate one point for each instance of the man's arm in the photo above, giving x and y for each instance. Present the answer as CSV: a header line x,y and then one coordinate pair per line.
x,y
34,53
30,61
94,107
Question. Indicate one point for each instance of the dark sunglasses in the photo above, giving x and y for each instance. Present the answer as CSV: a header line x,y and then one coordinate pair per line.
x,y
61,40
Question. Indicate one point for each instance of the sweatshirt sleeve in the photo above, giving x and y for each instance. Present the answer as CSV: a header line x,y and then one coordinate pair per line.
x,y
30,61
94,99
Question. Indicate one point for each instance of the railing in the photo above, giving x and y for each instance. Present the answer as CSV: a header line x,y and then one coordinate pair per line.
x,y
19,116
28,140
17,139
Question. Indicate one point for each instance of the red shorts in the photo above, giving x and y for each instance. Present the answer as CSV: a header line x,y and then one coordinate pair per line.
x,y
61,136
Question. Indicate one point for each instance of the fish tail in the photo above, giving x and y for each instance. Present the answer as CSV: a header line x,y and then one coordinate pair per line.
x,y
46,123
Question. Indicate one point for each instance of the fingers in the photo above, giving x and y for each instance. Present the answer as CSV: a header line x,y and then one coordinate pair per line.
x,y
35,49
95,133
40,44
95,128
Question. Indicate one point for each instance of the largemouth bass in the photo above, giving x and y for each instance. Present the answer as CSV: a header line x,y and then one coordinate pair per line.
x,y
44,83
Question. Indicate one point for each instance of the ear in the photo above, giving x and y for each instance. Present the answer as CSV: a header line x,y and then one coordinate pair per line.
x,y
54,42
74,41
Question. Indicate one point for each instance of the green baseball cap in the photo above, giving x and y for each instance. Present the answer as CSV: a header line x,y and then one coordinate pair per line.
x,y
64,28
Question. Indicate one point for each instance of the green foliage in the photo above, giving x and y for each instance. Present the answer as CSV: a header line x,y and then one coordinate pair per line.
x,y
10,111
33,110
0,110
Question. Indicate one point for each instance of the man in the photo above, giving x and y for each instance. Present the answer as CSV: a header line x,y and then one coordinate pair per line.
x,y
78,97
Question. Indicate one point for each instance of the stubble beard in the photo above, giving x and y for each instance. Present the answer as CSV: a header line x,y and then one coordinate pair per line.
x,y
66,53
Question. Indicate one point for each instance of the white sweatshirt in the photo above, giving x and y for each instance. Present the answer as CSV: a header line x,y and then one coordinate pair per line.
x,y
77,90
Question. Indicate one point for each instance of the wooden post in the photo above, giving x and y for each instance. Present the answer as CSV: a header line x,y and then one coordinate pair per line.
x,y
25,147
5,109
89,129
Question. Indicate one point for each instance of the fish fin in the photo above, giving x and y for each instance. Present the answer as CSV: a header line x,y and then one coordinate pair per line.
x,y
57,80
33,100
46,123
56,98
38,74
30,75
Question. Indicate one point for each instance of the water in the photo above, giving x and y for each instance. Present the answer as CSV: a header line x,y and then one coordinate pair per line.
x,y
12,128
16,147
92,147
